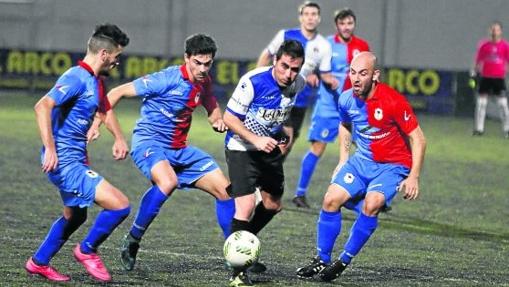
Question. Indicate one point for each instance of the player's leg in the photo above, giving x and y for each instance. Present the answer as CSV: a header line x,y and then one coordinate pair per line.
x,y
116,209
500,93
481,103
153,163
322,131
216,184
384,180
59,233
346,185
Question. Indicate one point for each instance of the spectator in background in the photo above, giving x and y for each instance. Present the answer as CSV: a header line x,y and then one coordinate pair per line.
x,y
491,59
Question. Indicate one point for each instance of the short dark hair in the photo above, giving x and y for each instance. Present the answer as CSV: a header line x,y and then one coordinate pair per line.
x,y
107,36
291,48
343,13
200,44
308,4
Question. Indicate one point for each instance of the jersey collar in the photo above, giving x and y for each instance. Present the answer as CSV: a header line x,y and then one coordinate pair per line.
x,y
183,70
86,67
338,39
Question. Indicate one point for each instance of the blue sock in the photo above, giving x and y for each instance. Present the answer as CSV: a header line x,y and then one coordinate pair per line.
x,y
362,229
225,209
309,162
52,243
106,221
150,205
327,230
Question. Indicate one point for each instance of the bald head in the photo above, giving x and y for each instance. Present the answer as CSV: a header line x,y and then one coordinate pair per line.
x,y
364,74
365,60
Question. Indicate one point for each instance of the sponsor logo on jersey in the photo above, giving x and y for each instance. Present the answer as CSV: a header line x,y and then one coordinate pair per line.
x,y
374,137
406,117
273,115
82,122
145,81
148,152
62,88
176,92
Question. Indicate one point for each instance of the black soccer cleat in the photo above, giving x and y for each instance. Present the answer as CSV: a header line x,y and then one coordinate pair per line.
x,y
314,268
300,201
128,251
240,279
477,133
257,267
332,271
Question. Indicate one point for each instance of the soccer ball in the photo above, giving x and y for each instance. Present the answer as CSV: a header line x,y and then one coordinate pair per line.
x,y
241,249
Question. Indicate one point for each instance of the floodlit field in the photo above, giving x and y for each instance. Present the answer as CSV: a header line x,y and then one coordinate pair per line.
x,y
456,234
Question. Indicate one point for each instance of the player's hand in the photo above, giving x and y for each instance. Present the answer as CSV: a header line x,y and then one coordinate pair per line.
x,y
120,149
219,126
266,144
93,134
313,80
50,161
410,188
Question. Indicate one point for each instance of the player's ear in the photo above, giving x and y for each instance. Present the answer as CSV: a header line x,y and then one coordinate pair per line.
x,y
376,76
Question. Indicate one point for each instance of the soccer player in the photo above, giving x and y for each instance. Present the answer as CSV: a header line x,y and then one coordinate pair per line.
x,y
325,119
257,140
490,63
389,156
159,143
317,60
64,116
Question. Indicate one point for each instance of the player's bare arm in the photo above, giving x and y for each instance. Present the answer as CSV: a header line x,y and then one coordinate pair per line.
x,y
265,59
345,144
125,90
410,186
266,144
329,80
43,110
120,148
94,132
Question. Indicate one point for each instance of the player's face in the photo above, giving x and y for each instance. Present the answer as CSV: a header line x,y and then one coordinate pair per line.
x,y
198,66
111,58
496,31
363,76
309,18
345,27
286,70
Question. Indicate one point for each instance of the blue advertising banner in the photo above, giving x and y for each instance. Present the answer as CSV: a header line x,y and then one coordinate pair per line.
x,y
427,90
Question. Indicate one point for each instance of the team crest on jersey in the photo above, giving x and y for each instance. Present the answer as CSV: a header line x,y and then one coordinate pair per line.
x,y
356,52
285,101
197,98
348,178
91,173
379,114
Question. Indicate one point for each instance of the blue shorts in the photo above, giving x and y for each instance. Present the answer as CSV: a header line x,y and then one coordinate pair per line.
x,y
323,129
77,183
189,163
360,176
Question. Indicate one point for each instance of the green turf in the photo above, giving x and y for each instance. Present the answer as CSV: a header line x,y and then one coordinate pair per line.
x,y
456,234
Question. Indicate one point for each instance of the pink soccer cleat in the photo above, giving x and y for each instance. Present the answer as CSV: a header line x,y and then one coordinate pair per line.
x,y
93,264
45,271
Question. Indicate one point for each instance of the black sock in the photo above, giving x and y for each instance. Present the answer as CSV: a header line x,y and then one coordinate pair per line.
x,y
261,217
239,225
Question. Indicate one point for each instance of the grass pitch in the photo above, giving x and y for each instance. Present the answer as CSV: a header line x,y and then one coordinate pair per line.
x,y
456,234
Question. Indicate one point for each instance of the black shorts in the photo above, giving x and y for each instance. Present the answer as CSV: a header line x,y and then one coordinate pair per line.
x,y
251,169
491,86
297,116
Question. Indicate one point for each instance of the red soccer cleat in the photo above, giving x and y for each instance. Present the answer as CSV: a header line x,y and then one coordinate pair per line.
x,y
93,264
45,271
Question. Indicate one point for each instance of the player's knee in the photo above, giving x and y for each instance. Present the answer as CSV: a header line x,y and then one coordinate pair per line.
x,y
372,206
78,216
273,205
167,186
331,201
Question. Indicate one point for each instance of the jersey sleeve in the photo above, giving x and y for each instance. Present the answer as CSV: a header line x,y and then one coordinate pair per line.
x,y
404,115
241,98
326,59
209,101
66,88
276,42
155,83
